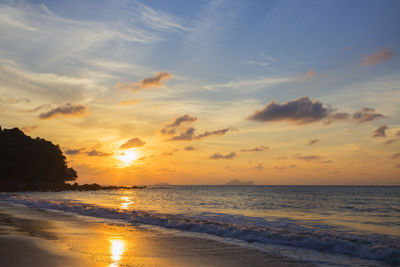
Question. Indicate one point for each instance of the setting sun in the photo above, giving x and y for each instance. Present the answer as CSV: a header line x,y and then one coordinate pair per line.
x,y
127,158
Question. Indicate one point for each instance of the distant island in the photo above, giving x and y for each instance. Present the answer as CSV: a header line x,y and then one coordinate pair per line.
x,y
238,182
28,164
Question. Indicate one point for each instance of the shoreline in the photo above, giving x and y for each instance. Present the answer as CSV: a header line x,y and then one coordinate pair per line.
x,y
50,238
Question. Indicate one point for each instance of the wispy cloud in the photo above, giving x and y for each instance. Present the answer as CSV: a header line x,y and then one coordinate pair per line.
x,y
251,84
46,85
153,18
151,82
214,19
378,57
65,110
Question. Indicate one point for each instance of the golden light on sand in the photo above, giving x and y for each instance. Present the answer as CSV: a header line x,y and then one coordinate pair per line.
x,y
127,158
117,249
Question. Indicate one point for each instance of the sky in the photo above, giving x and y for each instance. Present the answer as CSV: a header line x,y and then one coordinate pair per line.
x,y
202,92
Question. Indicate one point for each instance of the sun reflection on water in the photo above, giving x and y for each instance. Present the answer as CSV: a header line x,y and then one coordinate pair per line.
x,y
117,249
126,202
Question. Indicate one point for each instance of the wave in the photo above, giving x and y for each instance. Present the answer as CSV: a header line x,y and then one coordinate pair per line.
x,y
251,229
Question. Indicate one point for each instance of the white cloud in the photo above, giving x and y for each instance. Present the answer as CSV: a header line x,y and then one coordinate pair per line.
x,y
13,78
251,84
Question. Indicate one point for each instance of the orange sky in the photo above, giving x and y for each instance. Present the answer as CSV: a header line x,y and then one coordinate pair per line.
x,y
185,98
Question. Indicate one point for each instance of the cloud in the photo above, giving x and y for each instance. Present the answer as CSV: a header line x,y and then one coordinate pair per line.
x,y
378,57
221,156
129,102
189,148
285,167
388,142
326,161
96,153
151,82
398,166
215,133
74,151
308,158
312,142
189,134
66,110
395,156
366,114
133,142
299,111
255,149
398,133
182,119
380,131
304,111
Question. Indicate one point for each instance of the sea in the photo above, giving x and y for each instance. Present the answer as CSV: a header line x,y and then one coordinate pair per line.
x,y
324,225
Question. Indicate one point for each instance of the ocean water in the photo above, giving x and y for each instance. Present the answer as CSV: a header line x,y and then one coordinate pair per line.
x,y
325,225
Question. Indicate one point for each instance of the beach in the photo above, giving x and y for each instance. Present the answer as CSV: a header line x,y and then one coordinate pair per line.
x,y
48,238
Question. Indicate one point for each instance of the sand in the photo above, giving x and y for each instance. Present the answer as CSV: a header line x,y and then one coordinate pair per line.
x,y
30,237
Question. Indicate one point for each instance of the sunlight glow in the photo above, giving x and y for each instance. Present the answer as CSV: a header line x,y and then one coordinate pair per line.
x,y
127,158
117,249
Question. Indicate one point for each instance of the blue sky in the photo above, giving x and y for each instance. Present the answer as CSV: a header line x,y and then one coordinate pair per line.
x,y
224,59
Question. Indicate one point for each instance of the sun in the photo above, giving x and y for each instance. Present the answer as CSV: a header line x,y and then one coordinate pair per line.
x,y
127,157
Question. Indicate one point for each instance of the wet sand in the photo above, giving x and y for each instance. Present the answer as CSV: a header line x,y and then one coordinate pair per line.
x,y
31,237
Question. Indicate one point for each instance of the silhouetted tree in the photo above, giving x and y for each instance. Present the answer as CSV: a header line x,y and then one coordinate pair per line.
x,y
31,164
